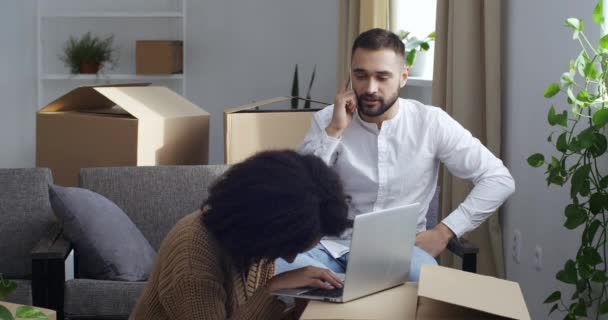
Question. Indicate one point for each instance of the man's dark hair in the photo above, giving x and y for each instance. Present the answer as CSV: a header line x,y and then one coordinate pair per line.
x,y
377,38
275,204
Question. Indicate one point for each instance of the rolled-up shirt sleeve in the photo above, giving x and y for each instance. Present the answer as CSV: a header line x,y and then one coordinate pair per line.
x,y
467,158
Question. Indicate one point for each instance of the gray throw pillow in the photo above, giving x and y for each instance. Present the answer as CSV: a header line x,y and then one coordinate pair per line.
x,y
108,245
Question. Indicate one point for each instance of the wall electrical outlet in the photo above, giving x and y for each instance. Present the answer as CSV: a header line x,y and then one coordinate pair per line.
x,y
516,249
538,258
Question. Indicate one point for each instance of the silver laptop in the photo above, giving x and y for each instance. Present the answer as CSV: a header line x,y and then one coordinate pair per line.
x,y
380,255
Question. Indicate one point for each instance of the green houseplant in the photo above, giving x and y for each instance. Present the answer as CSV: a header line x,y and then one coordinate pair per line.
x,y
580,143
414,45
22,312
89,53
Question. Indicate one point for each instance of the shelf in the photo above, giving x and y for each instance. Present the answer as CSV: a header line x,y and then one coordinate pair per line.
x,y
419,82
111,77
106,14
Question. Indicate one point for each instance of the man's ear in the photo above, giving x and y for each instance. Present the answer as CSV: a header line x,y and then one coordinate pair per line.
x,y
403,76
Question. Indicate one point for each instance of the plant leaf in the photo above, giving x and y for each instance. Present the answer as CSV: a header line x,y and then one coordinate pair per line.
x,y
604,182
6,287
591,256
553,308
599,145
587,137
28,312
5,314
590,231
604,42
562,119
555,296
596,203
536,160
575,24
590,71
566,79
603,308
551,117
575,216
581,309
598,15
410,58
412,44
551,90
599,276
580,180
600,118
562,144
568,275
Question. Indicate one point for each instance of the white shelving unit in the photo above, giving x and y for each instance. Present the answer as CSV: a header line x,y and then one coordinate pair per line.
x,y
137,20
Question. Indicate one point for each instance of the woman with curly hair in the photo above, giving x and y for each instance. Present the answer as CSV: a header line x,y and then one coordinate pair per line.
x,y
218,262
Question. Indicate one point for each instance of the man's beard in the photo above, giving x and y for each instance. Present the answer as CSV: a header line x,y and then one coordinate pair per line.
x,y
382,108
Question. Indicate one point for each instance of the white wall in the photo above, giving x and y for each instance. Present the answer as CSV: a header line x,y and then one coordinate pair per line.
x,y
239,51
17,82
537,49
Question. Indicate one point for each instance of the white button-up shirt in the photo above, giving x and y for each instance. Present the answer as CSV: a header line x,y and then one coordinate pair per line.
x,y
399,163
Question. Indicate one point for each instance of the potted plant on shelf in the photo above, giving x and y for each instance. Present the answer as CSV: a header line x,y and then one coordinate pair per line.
x,y
580,146
22,312
417,50
89,54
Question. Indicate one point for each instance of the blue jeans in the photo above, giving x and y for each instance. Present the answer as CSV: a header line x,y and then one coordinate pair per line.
x,y
318,257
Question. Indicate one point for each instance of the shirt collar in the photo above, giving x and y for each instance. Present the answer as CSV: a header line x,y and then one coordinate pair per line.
x,y
373,128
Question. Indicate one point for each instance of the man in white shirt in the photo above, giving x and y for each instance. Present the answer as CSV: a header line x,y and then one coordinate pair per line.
x,y
387,151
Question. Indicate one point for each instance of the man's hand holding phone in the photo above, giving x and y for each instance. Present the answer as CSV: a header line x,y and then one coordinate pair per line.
x,y
345,105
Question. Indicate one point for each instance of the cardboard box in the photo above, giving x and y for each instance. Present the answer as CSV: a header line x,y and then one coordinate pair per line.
x,y
265,125
159,57
442,293
126,125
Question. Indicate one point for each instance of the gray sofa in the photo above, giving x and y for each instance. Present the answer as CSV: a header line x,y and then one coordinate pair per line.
x,y
26,217
154,198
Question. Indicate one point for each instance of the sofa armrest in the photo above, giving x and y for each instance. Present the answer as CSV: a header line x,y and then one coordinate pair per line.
x,y
465,250
48,271
52,246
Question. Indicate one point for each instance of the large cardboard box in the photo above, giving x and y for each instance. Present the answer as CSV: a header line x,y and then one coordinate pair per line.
x,y
442,293
265,125
126,125
159,56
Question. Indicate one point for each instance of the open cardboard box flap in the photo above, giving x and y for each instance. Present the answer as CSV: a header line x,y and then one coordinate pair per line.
x,y
139,100
442,293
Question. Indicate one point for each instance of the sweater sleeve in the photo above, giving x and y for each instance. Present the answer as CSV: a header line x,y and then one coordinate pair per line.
x,y
191,297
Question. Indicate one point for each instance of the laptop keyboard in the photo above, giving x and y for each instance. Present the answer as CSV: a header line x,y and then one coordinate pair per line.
x,y
335,293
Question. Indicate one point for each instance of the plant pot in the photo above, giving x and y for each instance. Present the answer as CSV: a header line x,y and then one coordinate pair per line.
x,y
423,65
88,67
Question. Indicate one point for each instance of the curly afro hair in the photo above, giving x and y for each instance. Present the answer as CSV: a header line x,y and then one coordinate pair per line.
x,y
275,204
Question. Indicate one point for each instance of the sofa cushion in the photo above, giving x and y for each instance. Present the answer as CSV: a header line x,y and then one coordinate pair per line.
x,y
109,245
85,298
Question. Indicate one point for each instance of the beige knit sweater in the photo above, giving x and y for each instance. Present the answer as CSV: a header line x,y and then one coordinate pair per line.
x,y
193,278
